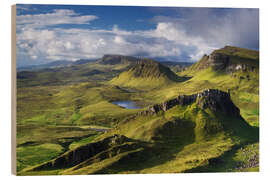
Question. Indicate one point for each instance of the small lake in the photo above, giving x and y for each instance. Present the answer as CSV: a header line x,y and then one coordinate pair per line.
x,y
127,104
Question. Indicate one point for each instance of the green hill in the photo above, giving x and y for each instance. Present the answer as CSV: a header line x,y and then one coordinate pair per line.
x,y
103,69
146,73
229,59
233,68
181,134
75,128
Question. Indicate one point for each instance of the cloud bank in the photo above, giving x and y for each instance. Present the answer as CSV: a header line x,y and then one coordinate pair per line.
x,y
185,37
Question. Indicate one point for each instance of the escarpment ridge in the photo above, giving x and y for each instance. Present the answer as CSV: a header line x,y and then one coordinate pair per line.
x,y
214,99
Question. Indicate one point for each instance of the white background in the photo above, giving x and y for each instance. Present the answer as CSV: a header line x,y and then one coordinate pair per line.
x,y
5,85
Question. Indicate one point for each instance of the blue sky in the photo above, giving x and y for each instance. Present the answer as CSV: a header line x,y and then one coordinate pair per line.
x,y
48,33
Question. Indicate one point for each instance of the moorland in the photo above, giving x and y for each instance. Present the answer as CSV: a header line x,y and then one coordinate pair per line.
x,y
201,117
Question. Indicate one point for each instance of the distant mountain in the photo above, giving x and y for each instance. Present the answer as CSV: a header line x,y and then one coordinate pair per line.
x,y
146,72
83,61
120,59
117,59
229,59
176,66
54,64
109,59
174,63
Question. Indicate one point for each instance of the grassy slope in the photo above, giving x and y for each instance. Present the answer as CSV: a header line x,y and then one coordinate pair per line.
x,y
100,107
37,144
89,104
81,104
146,74
178,140
243,53
92,71
58,115
244,92
127,79
244,85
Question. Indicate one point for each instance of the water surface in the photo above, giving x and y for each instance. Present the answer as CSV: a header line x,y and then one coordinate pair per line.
x,y
126,104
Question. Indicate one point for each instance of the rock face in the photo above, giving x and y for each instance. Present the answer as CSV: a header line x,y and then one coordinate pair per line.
x,y
82,153
216,100
219,61
230,59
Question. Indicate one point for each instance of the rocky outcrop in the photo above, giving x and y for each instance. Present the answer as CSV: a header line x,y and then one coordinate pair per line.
x,y
230,59
83,153
229,64
216,100
219,61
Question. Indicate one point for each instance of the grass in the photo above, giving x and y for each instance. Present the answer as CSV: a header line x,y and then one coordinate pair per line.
x,y
36,134
32,155
83,141
146,74
238,159
243,53
58,110
126,79
70,75
175,141
84,104
37,144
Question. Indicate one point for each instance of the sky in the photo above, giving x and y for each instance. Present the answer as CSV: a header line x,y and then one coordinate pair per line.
x,y
47,33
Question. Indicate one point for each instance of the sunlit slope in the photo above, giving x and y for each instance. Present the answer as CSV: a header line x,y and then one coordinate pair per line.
x,y
102,69
146,74
242,79
80,104
175,136
63,114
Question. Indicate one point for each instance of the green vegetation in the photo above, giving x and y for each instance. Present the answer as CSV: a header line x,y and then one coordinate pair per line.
x,y
82,142
181,138
239,52
36,154
146,74
63,110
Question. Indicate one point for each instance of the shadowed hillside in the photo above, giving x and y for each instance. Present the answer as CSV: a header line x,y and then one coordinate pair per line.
x,y
146,73
176,131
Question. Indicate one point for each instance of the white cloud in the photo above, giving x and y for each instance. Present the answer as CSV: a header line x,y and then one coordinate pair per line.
x,y
58,16
166,40
119,40
197,33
